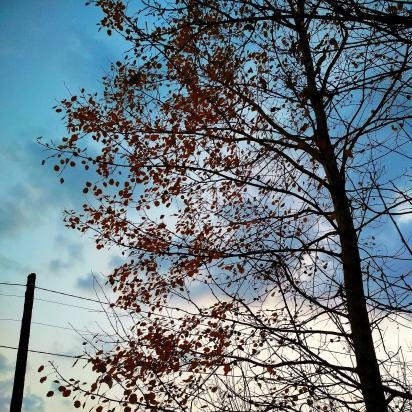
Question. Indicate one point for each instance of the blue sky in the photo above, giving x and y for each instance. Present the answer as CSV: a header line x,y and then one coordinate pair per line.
x,y
48,49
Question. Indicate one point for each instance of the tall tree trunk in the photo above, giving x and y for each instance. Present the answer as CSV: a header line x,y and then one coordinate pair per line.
x,y
367,364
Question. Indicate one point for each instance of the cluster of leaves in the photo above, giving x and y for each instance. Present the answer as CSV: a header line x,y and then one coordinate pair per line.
x,y
222,143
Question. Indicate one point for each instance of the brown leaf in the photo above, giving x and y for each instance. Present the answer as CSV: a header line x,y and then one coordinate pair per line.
x,y
133,398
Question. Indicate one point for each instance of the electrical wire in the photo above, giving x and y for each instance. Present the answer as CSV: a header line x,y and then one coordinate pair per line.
x,y
93,310
59,293
10,294
67,304
11,284
73,296
46,353
55,326
54,301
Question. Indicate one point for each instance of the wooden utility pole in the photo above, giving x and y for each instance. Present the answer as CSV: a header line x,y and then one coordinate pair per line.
x,y
21,361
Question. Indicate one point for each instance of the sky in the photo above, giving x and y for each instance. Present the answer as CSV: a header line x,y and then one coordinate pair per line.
x,y
48,49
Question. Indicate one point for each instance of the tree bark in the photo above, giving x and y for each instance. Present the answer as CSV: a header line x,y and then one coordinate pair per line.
x,y
367,363
363,345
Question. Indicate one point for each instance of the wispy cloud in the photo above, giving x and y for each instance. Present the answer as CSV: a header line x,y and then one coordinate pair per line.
x,y
74,250
5,365
32,402
58,265
116,261
87,283
5,395
22,207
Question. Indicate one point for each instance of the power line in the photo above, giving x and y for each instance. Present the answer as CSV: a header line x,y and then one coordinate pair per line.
x,y
74,296
91,310
68,304
10,294
53,301
11,284
59,293
47,353
54,326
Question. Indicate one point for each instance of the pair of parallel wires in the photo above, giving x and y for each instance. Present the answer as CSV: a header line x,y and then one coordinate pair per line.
x,y
70,295
85,332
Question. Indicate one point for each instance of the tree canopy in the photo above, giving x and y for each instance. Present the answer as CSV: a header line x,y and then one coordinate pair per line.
x,y
246,156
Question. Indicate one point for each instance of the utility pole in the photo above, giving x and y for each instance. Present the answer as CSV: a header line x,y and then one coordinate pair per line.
x,y
21,361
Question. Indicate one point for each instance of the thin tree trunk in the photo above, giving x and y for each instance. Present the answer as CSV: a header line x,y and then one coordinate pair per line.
x,y
367,364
